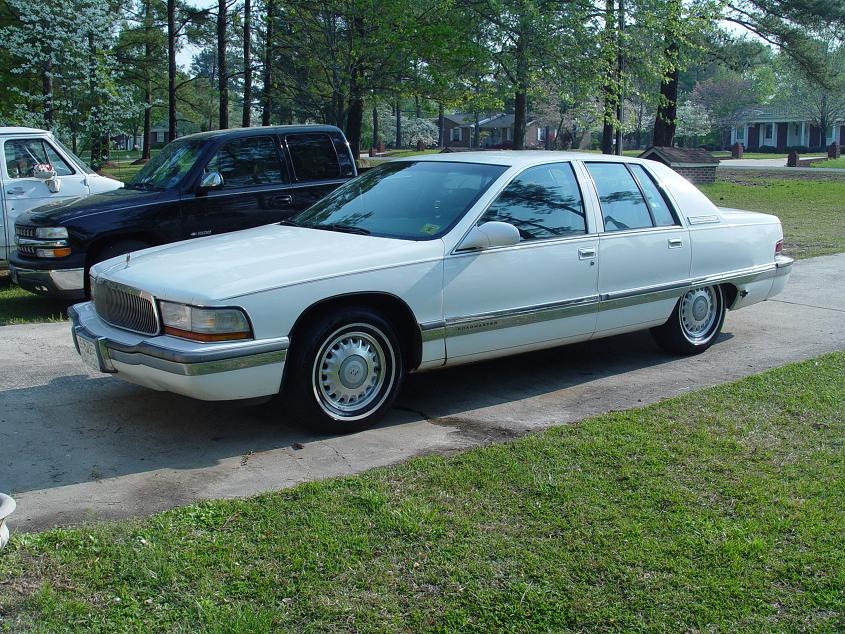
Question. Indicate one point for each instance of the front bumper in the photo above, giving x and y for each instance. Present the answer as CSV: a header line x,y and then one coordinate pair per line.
x,y
64,283
207,371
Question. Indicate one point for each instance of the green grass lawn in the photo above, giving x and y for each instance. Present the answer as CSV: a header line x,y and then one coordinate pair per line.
x,y
812,211
18,306
718,511
830,163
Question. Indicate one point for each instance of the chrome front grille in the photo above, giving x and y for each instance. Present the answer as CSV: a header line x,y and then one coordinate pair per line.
x,y
125,307
24,231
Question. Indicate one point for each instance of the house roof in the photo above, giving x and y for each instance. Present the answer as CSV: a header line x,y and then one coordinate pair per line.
x,y
777,112
679,156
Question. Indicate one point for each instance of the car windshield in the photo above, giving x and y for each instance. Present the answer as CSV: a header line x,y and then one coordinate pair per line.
x,y
412,200
167,168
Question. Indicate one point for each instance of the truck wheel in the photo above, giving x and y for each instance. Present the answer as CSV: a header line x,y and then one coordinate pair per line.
x,y
344,371
695,323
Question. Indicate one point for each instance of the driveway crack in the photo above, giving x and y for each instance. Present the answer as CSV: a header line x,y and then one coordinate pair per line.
x,y
784,301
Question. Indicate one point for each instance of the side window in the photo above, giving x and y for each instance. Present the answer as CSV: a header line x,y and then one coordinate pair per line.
x,y
313,157
660,210
542,202
622,204
247,162
343,156
22,155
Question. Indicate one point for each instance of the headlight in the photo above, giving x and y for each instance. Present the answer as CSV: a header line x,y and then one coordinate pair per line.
x,y
51,233
204,324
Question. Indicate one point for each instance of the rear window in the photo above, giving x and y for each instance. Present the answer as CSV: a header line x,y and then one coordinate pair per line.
x,y
313,157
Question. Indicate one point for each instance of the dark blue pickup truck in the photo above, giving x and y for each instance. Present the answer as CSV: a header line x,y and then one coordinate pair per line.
x,y
198,185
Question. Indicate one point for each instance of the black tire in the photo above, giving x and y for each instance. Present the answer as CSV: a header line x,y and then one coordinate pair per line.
x,y
111,250
695,323
344,371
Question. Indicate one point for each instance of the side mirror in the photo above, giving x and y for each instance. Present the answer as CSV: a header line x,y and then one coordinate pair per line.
x,y
212,180
44,172
490,234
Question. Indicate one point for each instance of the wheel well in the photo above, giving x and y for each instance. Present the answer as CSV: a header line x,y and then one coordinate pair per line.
x,y
731,293
396,311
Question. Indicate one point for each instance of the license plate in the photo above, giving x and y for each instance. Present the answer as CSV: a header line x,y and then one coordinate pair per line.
x,y
89,352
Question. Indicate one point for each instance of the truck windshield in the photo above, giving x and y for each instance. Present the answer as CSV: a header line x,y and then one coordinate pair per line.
x,y
404,199
167,168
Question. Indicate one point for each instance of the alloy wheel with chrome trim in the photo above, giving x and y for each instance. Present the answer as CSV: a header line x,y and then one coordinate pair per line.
x,y
695,323
344,371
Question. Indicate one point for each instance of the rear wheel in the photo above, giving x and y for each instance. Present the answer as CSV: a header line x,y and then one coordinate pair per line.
x,y
695,323
344,371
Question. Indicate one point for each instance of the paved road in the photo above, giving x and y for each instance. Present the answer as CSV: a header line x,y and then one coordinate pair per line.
x,y
76,446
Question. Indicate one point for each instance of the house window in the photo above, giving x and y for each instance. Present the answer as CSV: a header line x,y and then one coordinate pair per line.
x,y
455,134
769,130
541,134
509,134
740,133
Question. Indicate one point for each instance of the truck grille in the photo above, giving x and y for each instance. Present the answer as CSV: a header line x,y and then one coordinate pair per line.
x,y
24,231
124,307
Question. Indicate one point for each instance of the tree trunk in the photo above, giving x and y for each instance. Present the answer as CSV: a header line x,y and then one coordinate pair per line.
x,y
667,111
267,99
171,70
222,72
148,81
354,121
620,67
440,130
519,120
247,111
398,125
609,90
375,131
96,132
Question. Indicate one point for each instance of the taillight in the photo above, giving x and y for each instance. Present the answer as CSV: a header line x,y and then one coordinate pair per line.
x,y
778,247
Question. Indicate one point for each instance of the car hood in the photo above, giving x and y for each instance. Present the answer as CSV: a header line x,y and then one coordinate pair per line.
x,y
223,267
67,209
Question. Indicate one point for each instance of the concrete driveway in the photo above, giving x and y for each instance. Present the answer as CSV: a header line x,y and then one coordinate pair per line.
x,y
77,446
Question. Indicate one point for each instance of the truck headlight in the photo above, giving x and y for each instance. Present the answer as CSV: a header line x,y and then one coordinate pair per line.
x,y
204,324
51,233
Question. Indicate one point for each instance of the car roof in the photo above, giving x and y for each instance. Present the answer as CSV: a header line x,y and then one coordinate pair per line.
x,y
258,130
16,130
514,158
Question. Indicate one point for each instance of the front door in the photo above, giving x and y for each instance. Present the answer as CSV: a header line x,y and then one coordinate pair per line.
x,y
644,252
256,189
538,292
22,191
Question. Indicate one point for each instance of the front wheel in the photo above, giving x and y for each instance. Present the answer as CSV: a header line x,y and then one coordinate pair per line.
x,y
695,323
344,371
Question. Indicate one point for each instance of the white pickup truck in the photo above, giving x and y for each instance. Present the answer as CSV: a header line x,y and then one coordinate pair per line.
x,y
37,169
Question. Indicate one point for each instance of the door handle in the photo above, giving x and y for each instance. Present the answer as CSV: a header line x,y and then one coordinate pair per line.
x,y
586,254
283,199
675,243
15,192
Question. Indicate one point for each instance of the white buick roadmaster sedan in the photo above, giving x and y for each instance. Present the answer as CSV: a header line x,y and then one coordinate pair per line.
x,y
425,263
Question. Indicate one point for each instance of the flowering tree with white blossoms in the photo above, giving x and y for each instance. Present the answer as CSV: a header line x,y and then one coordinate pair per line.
x,y
65,49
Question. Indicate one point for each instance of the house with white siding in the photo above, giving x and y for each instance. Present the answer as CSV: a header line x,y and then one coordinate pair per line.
x,y
781,128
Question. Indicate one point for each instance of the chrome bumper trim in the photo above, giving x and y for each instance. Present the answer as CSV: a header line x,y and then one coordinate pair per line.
x,y
783,262
62,279
212,359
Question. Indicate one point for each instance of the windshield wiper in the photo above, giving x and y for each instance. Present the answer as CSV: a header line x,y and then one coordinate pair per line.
x,y
342,228
289,223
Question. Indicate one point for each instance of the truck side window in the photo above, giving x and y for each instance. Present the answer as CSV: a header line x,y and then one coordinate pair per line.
x,y
22,155
313,157
247,162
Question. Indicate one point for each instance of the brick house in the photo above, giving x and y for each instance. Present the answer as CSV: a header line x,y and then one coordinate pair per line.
x,y
782,127
495,130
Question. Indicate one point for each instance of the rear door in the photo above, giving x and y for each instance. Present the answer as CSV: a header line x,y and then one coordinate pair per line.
x,y
22,191
256,189
644,251
318,166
